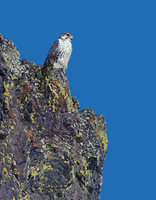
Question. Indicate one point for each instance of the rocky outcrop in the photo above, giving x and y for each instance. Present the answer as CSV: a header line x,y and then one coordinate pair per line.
x,y
48,148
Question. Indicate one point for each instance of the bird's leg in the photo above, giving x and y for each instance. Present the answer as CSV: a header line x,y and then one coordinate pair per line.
x,y
63,74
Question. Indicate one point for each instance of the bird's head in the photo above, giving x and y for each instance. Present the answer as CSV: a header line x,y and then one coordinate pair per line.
x,y
66,35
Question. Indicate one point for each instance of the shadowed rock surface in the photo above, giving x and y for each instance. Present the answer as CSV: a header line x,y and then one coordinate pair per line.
x,y
48,148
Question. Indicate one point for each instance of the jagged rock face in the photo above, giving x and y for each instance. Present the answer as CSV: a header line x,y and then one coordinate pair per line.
x,y
48,149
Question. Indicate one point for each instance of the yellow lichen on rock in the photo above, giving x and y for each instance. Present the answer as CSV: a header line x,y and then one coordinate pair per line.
x,y
104,139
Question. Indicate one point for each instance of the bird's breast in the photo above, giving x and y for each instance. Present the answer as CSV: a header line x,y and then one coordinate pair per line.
x,y
65,46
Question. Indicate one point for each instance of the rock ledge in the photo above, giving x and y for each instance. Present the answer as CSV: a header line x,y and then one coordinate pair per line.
x,y
48,148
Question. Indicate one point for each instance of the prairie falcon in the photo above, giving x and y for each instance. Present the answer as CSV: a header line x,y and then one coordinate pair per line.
x,y
60,52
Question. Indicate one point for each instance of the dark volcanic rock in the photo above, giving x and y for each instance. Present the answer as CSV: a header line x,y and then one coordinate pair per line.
x,y
48,149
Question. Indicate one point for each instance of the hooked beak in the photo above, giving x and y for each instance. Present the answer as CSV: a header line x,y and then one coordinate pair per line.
x,y
71,36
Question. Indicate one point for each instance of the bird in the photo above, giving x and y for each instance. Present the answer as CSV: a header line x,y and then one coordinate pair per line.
x,y
60,52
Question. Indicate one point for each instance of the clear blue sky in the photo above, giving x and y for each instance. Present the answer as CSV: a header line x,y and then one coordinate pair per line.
x,y
112,70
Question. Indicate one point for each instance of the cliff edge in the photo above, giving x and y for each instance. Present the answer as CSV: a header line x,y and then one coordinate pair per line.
x,y
48,148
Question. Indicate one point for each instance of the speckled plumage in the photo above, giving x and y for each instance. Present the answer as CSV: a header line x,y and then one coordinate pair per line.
x,y
60,52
